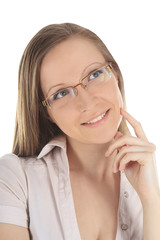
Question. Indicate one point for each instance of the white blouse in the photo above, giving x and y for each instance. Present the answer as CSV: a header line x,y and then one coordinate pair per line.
x,y
36,193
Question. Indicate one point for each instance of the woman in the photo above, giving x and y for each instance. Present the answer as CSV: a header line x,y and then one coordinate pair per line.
x,y
76,172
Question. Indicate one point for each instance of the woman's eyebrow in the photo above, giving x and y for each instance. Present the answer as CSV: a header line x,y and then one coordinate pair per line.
x,y
100,64
53,86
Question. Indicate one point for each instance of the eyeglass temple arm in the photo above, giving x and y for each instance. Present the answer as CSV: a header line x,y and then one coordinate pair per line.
x,y
45,103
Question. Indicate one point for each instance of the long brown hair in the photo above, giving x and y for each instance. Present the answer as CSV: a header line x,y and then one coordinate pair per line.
x,y
33,129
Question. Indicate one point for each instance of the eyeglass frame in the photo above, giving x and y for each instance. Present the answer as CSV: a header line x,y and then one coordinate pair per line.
x,y
45,102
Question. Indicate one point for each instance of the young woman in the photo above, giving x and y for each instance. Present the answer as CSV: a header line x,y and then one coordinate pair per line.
x,y
75,171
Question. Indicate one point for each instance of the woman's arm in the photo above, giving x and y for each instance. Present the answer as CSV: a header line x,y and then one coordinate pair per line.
x,y
136,156
151,218
13,199
13,232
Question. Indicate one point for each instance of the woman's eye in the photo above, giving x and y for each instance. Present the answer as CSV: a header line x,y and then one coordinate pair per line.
x,y
95,74
60,94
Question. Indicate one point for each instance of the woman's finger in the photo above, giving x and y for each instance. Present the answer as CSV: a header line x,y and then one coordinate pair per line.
x,y
128,158
124,140
127,149
118,135
135,124
131,149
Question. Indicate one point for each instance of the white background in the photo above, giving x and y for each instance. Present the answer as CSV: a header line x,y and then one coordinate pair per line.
x,y
131,31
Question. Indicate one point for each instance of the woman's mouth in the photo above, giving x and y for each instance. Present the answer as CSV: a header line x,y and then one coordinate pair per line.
x,y
97,121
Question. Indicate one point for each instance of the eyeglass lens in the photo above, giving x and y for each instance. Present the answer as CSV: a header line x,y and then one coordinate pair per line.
x,y
92,83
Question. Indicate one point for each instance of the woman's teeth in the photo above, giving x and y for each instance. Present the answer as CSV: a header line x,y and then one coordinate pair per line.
x,y
97,119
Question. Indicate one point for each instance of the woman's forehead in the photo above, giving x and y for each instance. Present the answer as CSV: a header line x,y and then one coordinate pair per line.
x,y
74,47
70,59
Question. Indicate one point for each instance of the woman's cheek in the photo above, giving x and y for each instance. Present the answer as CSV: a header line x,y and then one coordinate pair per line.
x,y
118,103
115,94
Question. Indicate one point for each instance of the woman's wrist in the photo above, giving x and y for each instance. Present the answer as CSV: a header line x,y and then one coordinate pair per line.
x,y
151,216
152,200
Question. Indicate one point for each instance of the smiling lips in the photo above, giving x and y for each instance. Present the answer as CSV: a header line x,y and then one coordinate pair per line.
x,y
97,118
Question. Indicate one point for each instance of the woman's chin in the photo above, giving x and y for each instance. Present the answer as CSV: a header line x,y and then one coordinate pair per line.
x,y
109,134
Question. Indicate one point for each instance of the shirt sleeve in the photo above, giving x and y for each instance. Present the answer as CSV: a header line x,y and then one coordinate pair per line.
x,y
13,191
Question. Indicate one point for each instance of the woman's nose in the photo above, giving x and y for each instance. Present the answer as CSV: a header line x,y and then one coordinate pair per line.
x,y
85,100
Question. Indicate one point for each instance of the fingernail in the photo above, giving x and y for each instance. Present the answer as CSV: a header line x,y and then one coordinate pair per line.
x,y
121,168
114,170
107,153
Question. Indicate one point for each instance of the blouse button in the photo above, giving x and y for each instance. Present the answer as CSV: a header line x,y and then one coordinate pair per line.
x,y
126,194
124,227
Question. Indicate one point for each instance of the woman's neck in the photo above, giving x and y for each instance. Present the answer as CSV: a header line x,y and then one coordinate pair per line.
x,y
89,158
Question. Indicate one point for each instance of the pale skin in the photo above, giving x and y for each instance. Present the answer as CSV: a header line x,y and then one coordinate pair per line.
x,y
87,159
137,158
91,165
138,162
67,64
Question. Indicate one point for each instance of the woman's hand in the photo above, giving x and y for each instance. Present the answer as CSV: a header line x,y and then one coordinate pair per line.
x,y
136,156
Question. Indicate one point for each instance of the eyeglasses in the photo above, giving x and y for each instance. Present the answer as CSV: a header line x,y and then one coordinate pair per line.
x,y
95,80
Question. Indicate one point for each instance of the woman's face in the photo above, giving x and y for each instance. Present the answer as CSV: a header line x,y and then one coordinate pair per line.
x,y
66,64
